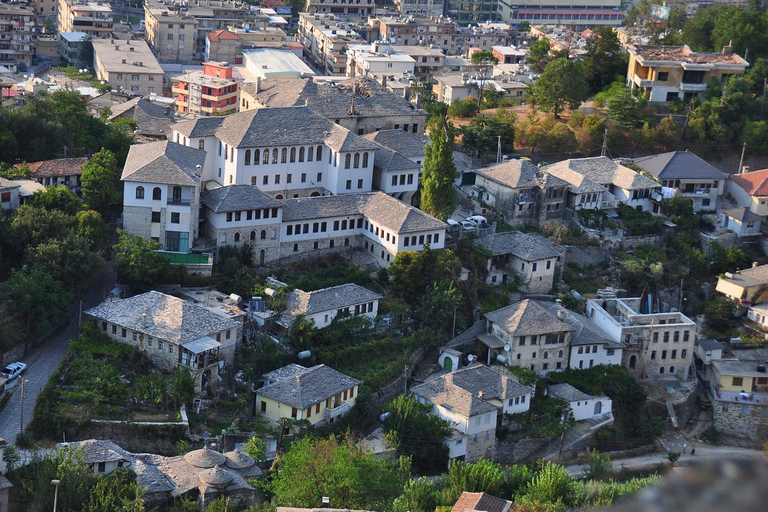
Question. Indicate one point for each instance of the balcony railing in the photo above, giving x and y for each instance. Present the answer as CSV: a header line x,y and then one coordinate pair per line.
x,y
340,410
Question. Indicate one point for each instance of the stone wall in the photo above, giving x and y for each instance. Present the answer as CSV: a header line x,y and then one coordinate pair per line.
x,y
135,437
481,446
585,255
136,220
743,420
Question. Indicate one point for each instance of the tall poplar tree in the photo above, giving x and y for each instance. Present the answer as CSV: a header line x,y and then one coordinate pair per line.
x,y
438,197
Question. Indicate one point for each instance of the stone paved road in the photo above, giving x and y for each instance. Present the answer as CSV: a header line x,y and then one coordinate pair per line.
x,y
43,362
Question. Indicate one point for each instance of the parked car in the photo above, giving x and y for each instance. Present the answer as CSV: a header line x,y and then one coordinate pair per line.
x,y
452,223
469,226
478,219
13,370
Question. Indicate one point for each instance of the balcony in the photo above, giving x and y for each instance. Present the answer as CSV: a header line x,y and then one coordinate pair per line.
x,y
691,87
340,410
613,203
697,192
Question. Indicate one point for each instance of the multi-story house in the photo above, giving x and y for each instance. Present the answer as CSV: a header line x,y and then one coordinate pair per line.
x,y
127,66
431,32
526,334
346,9
583,406
173,332
687,173
325,41
322,306
223,46
161,197
393,172
739,393
428,61
747,286
655,344
17,28
474,11
360,105
172,37
318,394
585,14
71,45
60,171
473,399
750,190
45,10
528,255
406,144
212,91
421,7
668,73
93,18
378,61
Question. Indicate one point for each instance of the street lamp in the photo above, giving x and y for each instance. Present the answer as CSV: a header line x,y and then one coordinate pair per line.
x,y
56,493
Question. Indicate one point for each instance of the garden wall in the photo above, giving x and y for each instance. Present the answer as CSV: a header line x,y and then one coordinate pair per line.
x,y
586,255
144,437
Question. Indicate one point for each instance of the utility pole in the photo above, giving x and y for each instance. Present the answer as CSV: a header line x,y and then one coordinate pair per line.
x,y
23,381
604,150
405,378
680,301
498,151
762,106
741,160
80,315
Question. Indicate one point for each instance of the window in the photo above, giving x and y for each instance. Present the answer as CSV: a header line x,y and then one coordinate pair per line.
x,y
265,180
655,336
175,217
293,155
319,177
347,160
200,143
653,354
676,336
738,381
301,154
535,265
663,354
256,156
247,157
357,161
155,216
683,353
277,179
139,192
265,160
263,234
666,337
365,159
394,181
662,76
349,184
274,156
319,153
157,194
360,183
686,335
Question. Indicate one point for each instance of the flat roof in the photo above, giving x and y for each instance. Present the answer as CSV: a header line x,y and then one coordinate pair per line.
x,y
273,62
73,37
113,52
739,368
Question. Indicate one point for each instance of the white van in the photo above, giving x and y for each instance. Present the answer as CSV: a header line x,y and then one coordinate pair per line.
x,y
452,223
478,219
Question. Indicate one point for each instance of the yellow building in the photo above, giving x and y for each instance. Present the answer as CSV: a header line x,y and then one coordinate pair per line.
x,y
749,286
172,37
750,190
318,394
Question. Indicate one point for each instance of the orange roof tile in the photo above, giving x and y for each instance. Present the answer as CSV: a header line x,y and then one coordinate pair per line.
x,y
57,167
221,35
755,182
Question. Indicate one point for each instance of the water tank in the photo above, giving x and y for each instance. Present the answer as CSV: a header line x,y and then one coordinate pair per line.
x,y
384,416
305,354
235,298
500,358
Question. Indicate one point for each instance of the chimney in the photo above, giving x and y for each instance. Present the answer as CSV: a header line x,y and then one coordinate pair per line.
x,y
560,314
258,84
480,394
754,264
144,319
728,49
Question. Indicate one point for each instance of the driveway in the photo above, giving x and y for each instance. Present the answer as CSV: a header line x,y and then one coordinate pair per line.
x,y
42,363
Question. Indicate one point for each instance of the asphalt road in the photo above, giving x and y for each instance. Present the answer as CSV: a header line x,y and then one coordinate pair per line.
x,y
42,363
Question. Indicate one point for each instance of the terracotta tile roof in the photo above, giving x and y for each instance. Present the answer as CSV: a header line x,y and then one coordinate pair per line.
x,y
223,35
755,182
482,502
684,54
58,167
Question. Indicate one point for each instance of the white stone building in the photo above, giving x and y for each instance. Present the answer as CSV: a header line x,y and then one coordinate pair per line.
x,y
582,405
322,306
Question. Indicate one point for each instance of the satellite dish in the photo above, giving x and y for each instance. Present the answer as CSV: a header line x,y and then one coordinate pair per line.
x,y
470,357
507,347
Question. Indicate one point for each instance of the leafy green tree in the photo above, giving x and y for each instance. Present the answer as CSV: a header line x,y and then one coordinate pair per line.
x,y
418,496
138,263
538,54
256,448
552,485
481,135
38,296
463,108
562,84
117,491
625,109
407,273
69,260
57,198
483,62
182,387
102,188
11,172
673,457
713,29
558,140
482,476
437,306
91,227
32,226
604,59
438,197
599,466
414,432
11,457
718,313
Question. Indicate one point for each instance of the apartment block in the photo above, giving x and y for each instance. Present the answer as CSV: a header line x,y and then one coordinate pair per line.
x,y
344,8
128,66
588,13
421,7
16,35
325,41
212,91
93,18
172,37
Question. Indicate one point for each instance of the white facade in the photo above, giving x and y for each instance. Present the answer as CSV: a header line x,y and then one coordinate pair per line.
x,y
592,408
587,356
377,60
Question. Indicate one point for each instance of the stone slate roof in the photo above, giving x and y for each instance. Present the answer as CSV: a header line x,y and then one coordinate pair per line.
x,y
749,276
401,141
388,211
577,183
527,318
200,127
585,332
56,167
334,100
527,246
512,173
477,377
237,197
163,162
481,502
678,165
310,387
568,393
741,214
603,170
96,451
388,160
445,394
153,119
300,302
167,317
286,372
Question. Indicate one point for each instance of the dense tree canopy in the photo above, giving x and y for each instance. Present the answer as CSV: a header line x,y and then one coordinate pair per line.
x,y
414,432
604,59
138,263
438,197
563,84
102,188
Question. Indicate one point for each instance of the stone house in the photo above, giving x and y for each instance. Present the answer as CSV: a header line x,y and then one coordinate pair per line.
x,y
60,171
582,405
318,394
322,306
739,393
153,117
473,399
656,345
174,333
526,334
529,255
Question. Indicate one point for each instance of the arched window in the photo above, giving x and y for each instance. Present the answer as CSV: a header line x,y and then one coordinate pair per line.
x,y
219,148
266,156
279,196
293,155
253,235
314,194
661,369
201,144
331,244
319,153
237,237
347,160
346,242
546,355
283,156
263,234
365,159
310,154
248,156
301,154
224,238
632,362
295,247
357,160
316,245
232,154
256,156
671,369
139,192
157,194
560,353
274,156
177,194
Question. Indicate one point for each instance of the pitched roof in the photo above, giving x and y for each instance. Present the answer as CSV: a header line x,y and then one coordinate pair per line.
x,y
481,502
603,170
527,318
749,276
389,160
334,100
4,183
444,393
222,35
527,246
200,127
477,377
309,387
237,197
56,167
96,451
163,162
401,141
578,183
568,393
678,165
163,316
512,173
741,214
585,331
755,182
300,302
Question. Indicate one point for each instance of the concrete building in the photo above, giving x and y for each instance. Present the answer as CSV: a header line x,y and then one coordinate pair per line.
x,y
747,286
342,8
322,306
174,333
223,46
17,26
739,392
45,10
421,7
266,63
740,221
656,344
93,18
127,66
172,37
582,405
325,41
508,54
668,73
428,61
377,60
750,190
318,394
474,11
71,45
210,92
587,13
473,399
9,194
